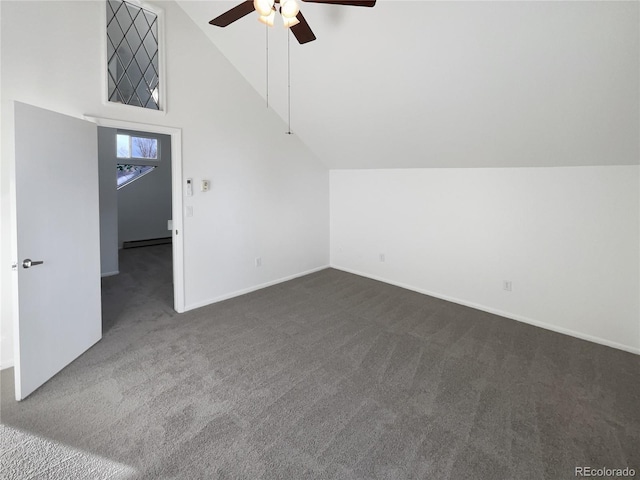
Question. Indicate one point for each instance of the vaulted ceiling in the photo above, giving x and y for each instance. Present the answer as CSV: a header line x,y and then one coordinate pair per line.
x,y
449,84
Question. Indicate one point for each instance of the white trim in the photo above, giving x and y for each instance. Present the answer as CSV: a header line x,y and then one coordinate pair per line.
x,y
162,75
244,291
15,300
512,316
176,195
134,126
110,274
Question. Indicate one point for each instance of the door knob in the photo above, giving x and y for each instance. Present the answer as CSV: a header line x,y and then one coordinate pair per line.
x,y
28,263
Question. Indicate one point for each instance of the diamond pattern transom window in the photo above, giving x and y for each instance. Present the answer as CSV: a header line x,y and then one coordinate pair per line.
x,y
132,53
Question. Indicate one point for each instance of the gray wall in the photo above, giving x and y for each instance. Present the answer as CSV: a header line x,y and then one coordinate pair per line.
x,y
144,206
108,201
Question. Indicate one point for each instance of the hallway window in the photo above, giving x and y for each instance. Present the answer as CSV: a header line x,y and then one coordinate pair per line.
x,y
136,157
132,55
137,147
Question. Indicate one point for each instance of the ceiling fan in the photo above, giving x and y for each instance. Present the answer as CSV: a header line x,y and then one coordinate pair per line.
x,y
290,11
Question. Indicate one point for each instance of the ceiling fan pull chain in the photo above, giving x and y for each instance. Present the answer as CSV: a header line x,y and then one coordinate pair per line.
x,y
289,78
266,28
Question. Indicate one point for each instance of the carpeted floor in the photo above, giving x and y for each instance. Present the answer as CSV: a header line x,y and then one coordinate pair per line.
x,y
330,376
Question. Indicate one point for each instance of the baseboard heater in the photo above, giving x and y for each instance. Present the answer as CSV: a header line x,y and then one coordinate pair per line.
x,y
146,243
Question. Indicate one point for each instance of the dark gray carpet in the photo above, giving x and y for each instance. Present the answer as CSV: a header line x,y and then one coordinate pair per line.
x,y
328,376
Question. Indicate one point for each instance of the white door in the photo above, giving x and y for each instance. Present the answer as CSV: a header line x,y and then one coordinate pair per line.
x,y
57,223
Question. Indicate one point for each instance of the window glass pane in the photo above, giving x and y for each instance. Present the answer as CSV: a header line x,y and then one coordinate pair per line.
x,y
150,45
149,16
155,95
135,75
112,84
115,32
135,101
154,62
124,148
127,174
113,5
116,70
110,49
141,57
123,17
124,54
132,34
144,147
141,24
126,89
143,93
133,39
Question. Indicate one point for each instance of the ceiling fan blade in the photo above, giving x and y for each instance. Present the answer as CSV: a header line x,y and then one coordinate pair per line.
x,y
353,3
236,13
302,30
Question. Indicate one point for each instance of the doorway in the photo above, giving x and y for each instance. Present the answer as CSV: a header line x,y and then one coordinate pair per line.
x,y
135,222
169,166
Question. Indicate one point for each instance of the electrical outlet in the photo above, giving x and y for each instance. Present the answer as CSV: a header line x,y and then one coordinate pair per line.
x,y
258,261
506,285
205,185
382,257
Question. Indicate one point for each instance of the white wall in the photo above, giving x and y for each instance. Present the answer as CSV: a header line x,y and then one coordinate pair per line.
x,y
270,194
108,201
144,206
568,239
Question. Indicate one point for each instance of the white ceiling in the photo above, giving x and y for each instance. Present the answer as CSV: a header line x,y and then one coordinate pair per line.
x,y
450,84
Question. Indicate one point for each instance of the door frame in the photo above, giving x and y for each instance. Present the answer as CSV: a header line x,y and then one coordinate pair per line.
x,y
177,232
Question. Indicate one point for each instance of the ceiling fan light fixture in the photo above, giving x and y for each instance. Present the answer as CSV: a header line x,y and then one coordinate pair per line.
x,y
268,19
263,7
290,22
289,8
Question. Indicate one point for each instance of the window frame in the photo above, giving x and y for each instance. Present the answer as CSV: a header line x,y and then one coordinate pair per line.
x,y
131,156
162,77
137,161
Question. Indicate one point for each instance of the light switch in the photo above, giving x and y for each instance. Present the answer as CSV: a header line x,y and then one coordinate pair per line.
x,y
189,187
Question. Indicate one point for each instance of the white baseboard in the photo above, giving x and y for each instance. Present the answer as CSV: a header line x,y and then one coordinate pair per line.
x,y
244,291
512,316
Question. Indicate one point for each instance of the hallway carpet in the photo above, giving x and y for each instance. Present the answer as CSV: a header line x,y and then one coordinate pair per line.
x,y
329,376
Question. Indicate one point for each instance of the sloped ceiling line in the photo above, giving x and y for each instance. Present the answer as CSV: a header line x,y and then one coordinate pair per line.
x,y
451,84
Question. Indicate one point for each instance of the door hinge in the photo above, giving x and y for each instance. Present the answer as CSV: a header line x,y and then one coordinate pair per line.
x,y
14,266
